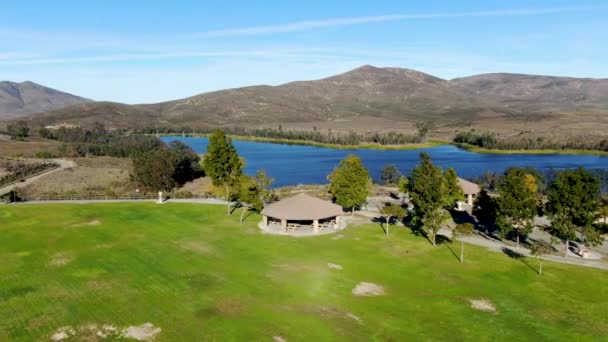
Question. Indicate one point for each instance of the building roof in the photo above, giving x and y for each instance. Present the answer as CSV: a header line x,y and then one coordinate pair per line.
x,y
302,207
469,188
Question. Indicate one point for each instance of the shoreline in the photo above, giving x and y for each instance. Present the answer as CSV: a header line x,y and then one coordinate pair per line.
x,y
375,146
477,149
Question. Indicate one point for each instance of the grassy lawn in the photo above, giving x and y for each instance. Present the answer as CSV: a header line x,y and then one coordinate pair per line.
x,y
198,275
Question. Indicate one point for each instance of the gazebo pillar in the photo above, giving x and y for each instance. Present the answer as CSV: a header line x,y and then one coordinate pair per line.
x,y
265,220
337,224
315,226
470,199
284,224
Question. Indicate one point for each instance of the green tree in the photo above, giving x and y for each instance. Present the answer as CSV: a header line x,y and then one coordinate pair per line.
x,y
517,203
460,231
391,210
453,191
427,191
154,170
573,202
349,183
222,163
402,184
390,175
187,162
538,249
485,209
18,130
255,194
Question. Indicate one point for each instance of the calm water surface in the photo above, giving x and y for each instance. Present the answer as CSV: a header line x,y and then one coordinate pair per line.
x,y
297,164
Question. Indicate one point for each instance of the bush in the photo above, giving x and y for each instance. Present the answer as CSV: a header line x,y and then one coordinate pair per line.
x,y
45,155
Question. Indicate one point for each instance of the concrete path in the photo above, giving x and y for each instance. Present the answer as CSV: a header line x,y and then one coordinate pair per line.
x,y
63,164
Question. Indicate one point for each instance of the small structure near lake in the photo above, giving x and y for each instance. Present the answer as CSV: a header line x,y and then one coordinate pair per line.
x,y
302,214
470,189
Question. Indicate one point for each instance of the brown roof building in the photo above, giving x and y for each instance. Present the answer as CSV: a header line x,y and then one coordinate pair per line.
x,y
301,209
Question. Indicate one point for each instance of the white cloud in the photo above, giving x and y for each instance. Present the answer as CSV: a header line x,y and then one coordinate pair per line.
x,y
314,24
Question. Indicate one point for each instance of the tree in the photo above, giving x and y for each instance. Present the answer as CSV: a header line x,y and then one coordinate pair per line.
x,y
255,194
390,175
349,183
187,162
222,163
453,191
18,130
423,129
573,203
485,209
154,170
427,191
517,203
538,249
461,230
391,210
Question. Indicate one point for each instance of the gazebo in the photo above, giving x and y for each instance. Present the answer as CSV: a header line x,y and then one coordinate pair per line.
x,y
301,211
470,189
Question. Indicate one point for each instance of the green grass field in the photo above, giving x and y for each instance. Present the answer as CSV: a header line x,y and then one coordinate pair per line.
x,y
198,275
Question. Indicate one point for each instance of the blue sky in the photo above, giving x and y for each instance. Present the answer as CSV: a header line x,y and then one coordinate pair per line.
x,y
150,51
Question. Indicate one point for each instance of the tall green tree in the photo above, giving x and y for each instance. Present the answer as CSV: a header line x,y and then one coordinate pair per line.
x,y
187,162
154,170
427,191
391,210
485,209
573,203
453,191
222,163
517,203
349,183
390,175
460,231
256,193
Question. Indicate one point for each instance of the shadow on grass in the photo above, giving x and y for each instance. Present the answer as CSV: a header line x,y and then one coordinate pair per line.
x,y
518,256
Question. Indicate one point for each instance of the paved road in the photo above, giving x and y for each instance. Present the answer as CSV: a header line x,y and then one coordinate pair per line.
x,y
63,164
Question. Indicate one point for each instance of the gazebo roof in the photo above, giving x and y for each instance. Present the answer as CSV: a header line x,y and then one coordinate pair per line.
x,y
302,207
469,188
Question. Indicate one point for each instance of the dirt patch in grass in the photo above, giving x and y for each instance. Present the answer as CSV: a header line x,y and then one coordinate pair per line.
x,y
279,338
334,266
353,317
368,289
229,306
94,222
94,332
197,247
60,259
482,305
144,332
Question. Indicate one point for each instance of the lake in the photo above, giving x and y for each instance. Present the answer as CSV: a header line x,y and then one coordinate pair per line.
x,y
300,164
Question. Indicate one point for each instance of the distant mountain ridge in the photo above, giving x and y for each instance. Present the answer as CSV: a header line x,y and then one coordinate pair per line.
x,y
372,98
21,99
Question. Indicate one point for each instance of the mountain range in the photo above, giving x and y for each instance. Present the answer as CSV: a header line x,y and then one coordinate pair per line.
x,y
21,99
366,98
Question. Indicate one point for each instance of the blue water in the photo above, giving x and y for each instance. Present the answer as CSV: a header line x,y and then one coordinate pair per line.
x,y
298,164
